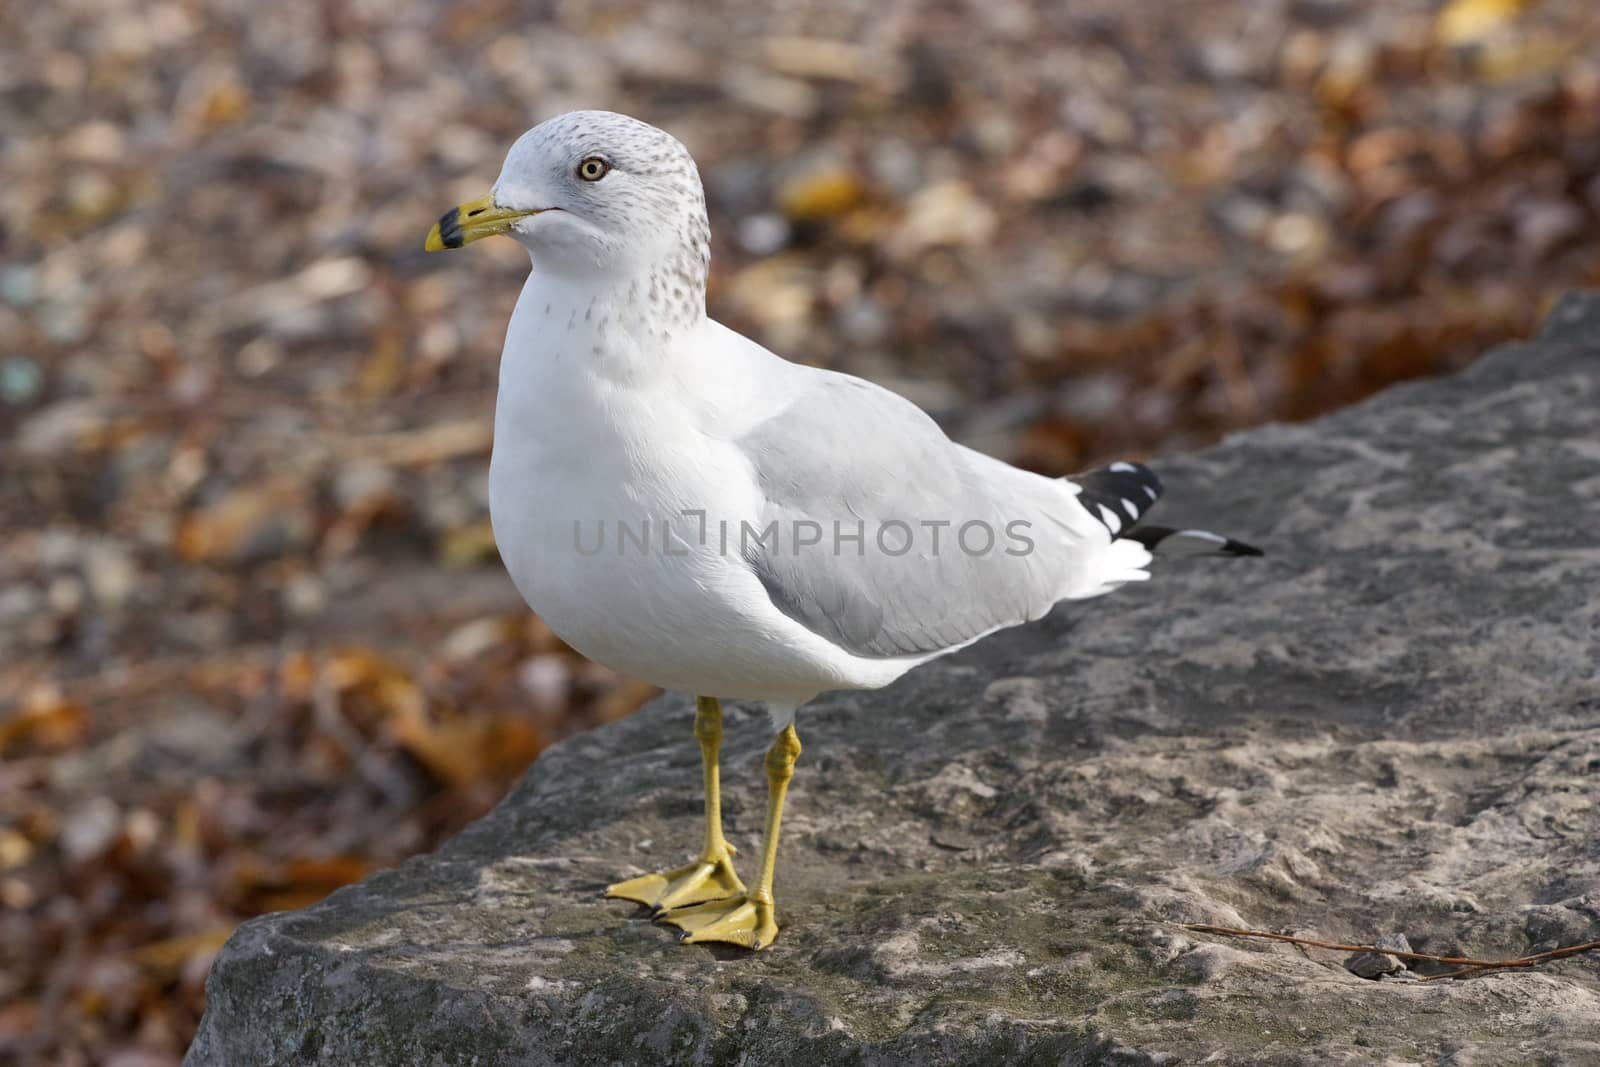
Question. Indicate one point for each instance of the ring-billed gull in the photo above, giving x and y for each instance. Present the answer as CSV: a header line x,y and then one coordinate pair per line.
x,y
682,505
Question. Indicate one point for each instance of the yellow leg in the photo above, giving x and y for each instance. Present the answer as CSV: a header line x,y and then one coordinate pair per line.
x,y
711,877
748,919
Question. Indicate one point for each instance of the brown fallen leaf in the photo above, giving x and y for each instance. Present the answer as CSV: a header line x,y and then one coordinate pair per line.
x,y
330,871
166,957
431,444
1463,22
18,1019
252,522
15,849
456,752
627,696
469,544
46,721
822,194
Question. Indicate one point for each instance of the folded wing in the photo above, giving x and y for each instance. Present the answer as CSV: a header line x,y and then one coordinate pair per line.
x,y
921,545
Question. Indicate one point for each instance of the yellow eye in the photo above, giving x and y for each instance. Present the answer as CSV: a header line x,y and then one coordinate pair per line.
x,y
593,169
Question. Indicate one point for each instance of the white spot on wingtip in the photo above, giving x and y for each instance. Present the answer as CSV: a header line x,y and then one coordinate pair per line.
x,y
1130,507
1109,517
1149,491
1121,467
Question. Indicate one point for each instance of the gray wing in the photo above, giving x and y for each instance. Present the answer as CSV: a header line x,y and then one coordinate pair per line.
x,y
847,456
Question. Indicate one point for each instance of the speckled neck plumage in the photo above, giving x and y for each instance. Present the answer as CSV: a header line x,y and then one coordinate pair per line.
x,y
654,235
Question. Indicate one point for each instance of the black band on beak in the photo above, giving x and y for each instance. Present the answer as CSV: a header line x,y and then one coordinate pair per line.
x,y
450,228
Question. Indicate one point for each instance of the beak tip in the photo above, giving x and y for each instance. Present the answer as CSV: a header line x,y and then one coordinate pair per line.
x,y
435,241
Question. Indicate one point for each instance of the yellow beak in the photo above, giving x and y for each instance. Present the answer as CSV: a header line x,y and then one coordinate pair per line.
x,y
472,220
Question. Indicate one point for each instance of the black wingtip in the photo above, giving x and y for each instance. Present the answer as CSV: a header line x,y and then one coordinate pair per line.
x,y
1120,495
1167,541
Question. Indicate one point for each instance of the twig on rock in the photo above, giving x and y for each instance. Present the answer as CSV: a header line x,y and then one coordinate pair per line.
x,y
1467,965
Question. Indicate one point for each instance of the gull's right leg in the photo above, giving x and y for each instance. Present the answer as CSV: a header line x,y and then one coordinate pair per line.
x,y
711,877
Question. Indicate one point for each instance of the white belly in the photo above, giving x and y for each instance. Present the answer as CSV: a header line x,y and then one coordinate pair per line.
x,y
602,550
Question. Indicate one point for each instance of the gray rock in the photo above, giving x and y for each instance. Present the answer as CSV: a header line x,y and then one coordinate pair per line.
x,y
1390,723
1375,965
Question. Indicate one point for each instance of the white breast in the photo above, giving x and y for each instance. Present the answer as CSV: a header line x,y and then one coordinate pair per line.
x,y
592,490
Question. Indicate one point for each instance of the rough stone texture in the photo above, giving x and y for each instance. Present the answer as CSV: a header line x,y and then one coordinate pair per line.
x,y
1390,726
1378,964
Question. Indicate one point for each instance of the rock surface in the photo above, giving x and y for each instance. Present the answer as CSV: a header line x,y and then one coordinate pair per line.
x,y
1391,725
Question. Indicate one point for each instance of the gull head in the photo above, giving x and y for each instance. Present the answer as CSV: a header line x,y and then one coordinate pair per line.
x,y
595,195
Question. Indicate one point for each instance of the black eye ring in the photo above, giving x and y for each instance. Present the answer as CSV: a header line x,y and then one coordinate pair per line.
x,y
593,169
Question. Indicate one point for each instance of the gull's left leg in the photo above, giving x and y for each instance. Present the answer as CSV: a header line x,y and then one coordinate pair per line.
x,y
748,919
712,876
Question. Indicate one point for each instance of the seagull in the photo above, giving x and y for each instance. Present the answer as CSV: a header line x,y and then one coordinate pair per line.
x,y
682,505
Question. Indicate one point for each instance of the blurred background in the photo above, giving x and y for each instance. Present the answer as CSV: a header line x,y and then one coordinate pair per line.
x,y
254,637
